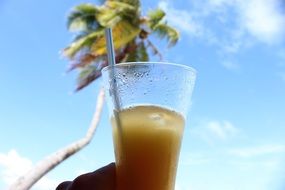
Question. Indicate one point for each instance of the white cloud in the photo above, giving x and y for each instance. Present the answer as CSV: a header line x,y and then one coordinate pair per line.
x,y
230,25
263,19
15,166
181,19
46,184
230,65
240,21
221,130
214,131
257,151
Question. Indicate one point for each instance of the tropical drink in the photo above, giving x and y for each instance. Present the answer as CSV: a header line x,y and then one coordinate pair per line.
x,y
147,148
148,104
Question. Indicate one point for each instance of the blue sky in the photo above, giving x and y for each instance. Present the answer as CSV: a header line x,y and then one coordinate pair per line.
x,y
234,138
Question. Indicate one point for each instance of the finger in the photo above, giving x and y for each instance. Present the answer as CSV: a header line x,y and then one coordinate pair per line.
x,y
103,179
109,170
64,185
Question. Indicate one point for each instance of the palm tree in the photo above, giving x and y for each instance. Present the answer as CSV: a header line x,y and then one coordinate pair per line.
x,y
131,32
87,54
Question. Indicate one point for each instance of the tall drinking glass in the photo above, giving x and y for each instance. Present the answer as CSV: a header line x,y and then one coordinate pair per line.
x,y
148,104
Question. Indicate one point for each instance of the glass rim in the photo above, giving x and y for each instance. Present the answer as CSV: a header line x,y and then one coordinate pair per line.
x,y
125,64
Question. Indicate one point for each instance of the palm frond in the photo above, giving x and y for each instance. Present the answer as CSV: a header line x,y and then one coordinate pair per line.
x,y
142,52
132,56
83,18
131,31
125,10
135,3
85,60
84,41
123,33
154,49
87,76
138,54
120,6
113,11
165,31
107,17
155,17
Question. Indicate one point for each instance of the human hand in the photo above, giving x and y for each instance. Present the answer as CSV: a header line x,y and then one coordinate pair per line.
x,y
101,179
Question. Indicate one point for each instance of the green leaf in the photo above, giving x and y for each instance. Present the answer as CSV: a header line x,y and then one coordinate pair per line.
x,y
83,18
108,17
142,52
155,17
120,6
165,31
138,54
85,41
135,3
132,56
123,33
86,8
112,12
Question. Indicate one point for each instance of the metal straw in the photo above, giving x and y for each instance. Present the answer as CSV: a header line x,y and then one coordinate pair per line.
x,y
113,85
112,62
110,46
114,91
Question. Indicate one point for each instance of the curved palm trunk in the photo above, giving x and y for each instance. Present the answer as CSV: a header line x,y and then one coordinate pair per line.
x,y
26,181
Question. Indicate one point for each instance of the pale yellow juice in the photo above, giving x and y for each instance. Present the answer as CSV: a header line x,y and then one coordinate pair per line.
x,y
147,148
